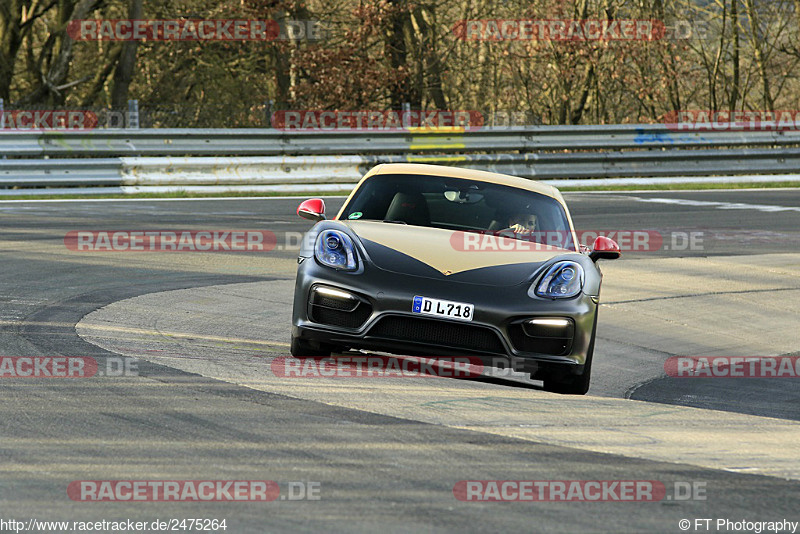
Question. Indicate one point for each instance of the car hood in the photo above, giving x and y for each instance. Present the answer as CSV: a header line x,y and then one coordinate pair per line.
x,y
458,256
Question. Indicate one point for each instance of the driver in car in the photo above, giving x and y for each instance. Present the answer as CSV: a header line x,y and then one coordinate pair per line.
x,y
522,223
519,223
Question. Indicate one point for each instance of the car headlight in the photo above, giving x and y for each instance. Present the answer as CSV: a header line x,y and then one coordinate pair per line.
x,y
335,249
563,280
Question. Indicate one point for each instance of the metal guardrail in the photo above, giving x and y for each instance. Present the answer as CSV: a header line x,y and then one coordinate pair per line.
x,y
250,159
270,142
550,166
241,171
59,172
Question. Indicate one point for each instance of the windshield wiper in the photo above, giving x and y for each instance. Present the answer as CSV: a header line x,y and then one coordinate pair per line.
x,y
394,222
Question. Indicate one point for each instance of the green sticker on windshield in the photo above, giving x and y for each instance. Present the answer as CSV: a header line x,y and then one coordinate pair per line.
x,y
355,215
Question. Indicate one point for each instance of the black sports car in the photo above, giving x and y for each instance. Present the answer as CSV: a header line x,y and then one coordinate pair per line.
x,y
440,261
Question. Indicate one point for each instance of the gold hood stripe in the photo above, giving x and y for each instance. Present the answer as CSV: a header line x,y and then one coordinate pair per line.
x,y
443,249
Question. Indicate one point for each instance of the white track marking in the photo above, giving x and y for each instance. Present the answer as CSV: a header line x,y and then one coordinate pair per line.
x,y
718,205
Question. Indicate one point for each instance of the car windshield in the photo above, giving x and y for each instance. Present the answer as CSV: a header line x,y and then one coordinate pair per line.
x,y
461,204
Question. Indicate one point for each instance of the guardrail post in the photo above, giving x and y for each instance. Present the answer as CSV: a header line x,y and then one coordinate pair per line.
x,y
132,120
406,111
268,106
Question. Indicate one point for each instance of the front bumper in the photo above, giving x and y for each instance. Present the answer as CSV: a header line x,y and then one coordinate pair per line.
x,y
383,319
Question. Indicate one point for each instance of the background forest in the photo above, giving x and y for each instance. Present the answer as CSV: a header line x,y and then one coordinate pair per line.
x,y
717,54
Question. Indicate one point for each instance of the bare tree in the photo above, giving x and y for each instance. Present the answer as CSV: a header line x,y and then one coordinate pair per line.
x,y
123,74
53,62
16,20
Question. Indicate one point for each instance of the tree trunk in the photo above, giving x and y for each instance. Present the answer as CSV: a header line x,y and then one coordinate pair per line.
x,y
99,80
400,91
758,54
734,98
10,41
123,74
714,75
431,64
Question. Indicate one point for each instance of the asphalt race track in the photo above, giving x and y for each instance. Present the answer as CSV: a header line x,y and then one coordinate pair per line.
x,y
719,275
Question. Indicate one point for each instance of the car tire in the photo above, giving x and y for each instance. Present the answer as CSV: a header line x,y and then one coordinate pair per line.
x,y
575,384
300,348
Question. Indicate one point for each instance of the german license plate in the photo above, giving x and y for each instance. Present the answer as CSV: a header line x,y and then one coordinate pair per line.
x,y
443,308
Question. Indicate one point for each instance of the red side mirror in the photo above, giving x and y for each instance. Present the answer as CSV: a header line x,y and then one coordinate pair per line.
x,y
313,209
605,248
